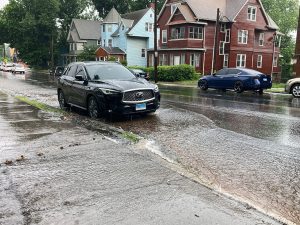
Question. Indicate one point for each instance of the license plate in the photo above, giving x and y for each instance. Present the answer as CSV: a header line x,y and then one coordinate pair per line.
x,y
141,106
265,79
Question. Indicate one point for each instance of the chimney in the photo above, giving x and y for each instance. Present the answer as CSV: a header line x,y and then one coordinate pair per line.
x,y
151,5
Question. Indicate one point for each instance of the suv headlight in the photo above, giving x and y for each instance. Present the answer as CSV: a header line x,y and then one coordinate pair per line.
x,y
156,88
108,91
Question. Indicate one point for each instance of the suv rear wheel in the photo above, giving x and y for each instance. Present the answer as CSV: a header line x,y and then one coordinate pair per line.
x,y
62,101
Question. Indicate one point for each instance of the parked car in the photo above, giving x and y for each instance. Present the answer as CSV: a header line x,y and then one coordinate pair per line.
x,y
293,87
8,67
238,79
106,87
57,71
18,68
140,73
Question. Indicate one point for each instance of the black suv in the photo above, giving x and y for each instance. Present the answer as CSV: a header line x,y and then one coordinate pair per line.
x,y
106,87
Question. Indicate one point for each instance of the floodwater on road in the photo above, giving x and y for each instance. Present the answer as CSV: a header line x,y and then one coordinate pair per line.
x,y
244,145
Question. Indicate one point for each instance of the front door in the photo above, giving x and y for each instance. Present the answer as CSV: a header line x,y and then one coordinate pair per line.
x,y
79,88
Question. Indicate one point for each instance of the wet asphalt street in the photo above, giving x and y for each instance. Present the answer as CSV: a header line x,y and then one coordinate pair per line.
x,y
243,145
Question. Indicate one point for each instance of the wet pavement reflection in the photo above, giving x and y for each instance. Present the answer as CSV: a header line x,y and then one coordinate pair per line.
x,y
244,145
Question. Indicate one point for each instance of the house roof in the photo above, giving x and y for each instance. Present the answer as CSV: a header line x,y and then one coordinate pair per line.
x,y
112,50
208,10
112,17
86,29
135,17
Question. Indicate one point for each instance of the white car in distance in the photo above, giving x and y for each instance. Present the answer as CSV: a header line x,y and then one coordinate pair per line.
x,y
18,68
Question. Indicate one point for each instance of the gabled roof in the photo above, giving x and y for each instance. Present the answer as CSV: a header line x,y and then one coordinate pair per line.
x,y
86,29
207,10
186,13
136,16
112,17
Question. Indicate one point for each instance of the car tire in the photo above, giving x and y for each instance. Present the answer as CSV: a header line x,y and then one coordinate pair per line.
x,y
95,109
296,90
261,91
62,101
238,87
203,85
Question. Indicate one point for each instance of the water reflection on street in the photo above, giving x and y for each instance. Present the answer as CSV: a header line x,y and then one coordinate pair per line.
x,y
245,145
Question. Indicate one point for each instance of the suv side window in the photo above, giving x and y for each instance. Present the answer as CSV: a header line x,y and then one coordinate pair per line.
x,y
72,71
80,71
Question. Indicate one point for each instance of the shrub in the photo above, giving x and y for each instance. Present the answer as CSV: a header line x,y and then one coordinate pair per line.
x,y
123,62
171,73
112,59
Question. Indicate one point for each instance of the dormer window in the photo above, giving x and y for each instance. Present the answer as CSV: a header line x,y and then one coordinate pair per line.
x,y
252,13
178,33
174,7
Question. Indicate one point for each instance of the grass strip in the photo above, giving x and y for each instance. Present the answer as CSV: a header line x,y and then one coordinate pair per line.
x,y
131,137
40,105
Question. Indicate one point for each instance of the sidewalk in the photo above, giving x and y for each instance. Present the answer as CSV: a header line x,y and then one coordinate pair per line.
x,y
70,175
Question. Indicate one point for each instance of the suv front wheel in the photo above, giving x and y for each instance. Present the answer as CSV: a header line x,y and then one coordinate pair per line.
x,y
95,109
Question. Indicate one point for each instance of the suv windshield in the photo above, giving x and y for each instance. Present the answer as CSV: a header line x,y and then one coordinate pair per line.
x,y
108,72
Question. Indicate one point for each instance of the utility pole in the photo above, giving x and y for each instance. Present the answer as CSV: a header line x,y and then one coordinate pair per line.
x,y
155,42
216,46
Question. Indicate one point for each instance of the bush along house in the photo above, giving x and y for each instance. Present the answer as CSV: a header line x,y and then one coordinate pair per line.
x,y
246,34
127,37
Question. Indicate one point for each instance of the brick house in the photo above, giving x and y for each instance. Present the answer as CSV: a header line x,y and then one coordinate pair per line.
x,y
297,52
247,35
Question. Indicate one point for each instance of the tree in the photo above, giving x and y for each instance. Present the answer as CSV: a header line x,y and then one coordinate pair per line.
x,y
142,4
285,14
88,54
30,26
122,6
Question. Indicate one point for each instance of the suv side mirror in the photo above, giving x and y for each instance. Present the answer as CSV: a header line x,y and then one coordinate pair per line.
x,y
79,77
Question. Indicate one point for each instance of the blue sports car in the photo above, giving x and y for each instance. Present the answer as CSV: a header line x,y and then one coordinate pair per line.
x,y
238,79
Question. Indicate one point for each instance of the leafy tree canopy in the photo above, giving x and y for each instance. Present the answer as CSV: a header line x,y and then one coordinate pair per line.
x,y
122,6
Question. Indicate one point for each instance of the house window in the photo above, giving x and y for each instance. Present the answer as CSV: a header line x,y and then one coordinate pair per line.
x,y
110,43
98,42
261,39
195,59
178,33
241,60
171,60
163,61
182,59
109,28
149,27
222,48
164,36
196,33
227,36
104,43
123,27
277,41
259,61
252,13
103,27
225,62
275,61
243,37
223,27
174,7
143,53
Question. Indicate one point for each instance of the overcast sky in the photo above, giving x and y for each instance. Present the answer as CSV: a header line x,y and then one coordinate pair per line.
x,y
3,3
